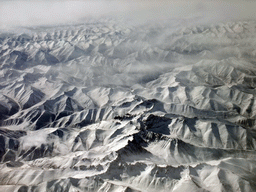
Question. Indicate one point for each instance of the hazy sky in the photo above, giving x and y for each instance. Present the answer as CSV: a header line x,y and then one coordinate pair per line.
x,y
45,12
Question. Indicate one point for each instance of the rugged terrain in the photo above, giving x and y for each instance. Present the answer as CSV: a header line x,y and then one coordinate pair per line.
x,y
104,106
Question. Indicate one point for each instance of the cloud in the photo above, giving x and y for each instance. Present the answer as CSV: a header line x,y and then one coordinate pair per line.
x,y
30,13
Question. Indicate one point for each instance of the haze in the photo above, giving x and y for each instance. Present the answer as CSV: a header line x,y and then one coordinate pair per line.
x,y
31,13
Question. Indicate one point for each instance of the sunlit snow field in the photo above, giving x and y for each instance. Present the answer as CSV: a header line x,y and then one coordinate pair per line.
x,y
138,96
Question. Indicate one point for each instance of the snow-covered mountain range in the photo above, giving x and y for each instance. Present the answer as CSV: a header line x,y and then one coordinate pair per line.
x,y
105,106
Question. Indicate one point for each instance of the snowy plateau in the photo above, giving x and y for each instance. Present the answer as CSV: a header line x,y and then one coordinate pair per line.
x,y
104,106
